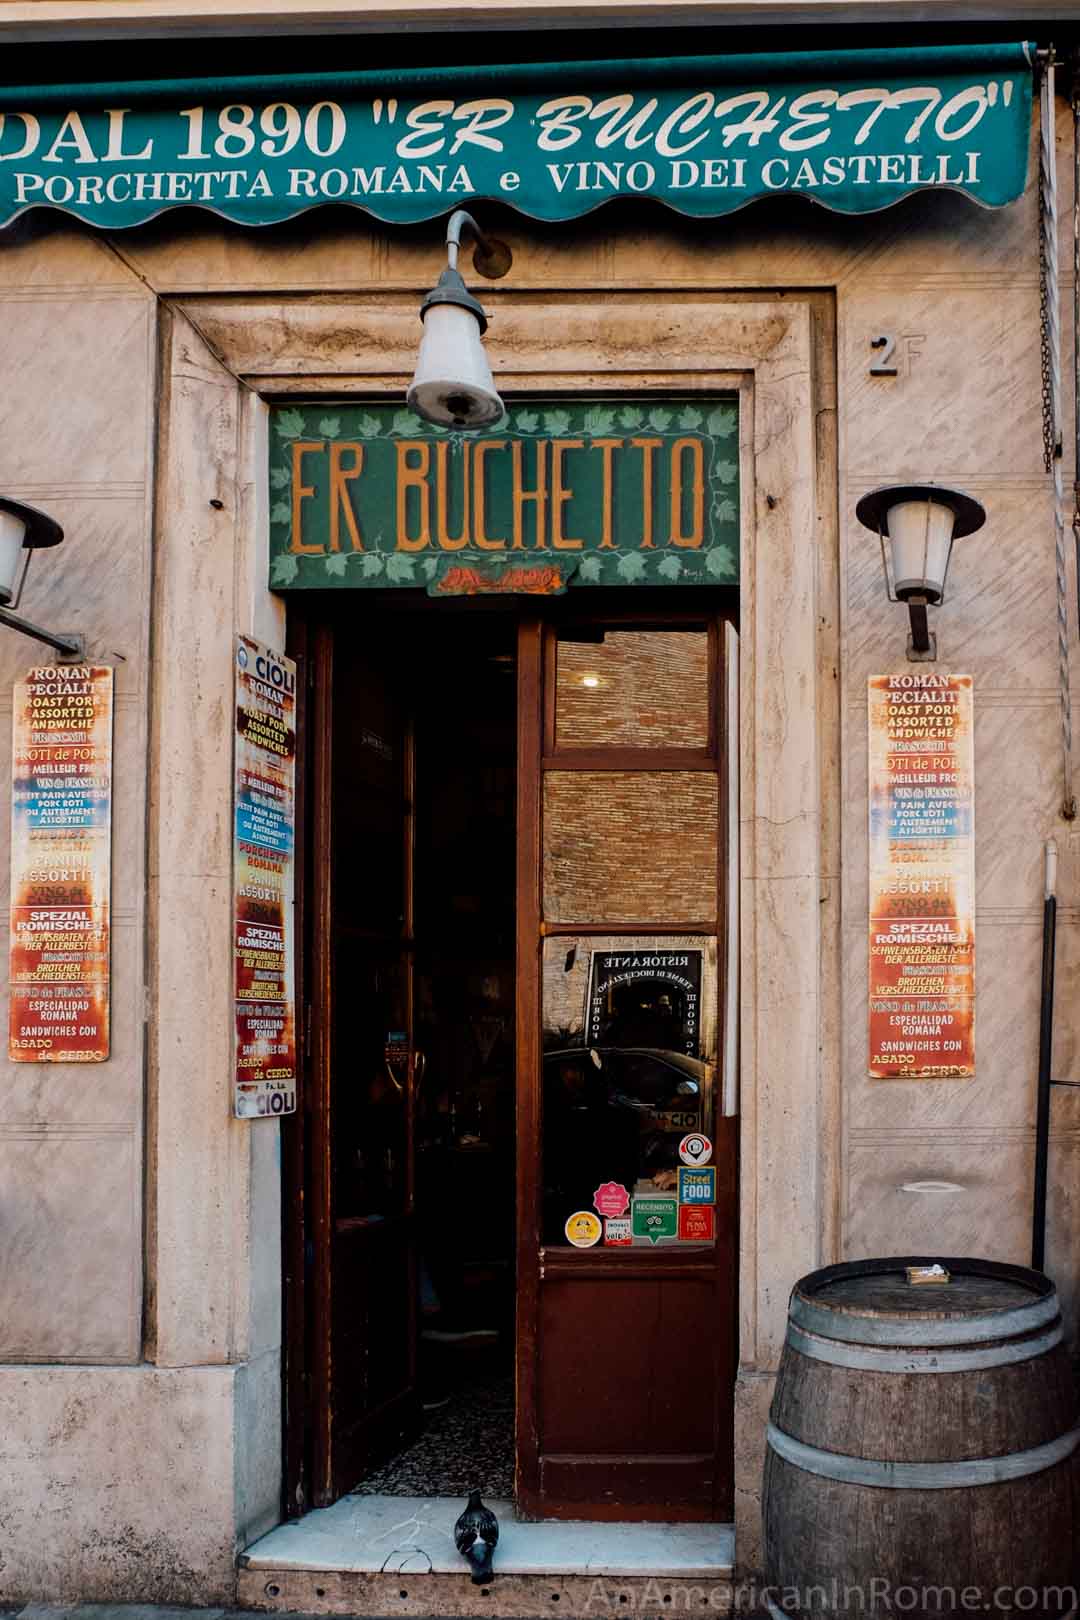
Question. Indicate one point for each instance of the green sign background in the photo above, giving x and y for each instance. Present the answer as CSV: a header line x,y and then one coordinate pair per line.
x,y
654,1218
367,496
854,130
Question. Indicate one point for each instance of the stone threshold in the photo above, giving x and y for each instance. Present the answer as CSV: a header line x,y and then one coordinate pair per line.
x,y
386,1555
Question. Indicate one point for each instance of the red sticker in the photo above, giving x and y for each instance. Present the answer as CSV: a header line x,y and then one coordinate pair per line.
x,y
617,1232
612,1198
697,1224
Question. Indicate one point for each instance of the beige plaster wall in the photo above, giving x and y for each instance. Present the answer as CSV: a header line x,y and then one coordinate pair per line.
x,y
120,1478
960,288
76,437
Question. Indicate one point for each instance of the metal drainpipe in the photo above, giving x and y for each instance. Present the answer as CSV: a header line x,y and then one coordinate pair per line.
x,y
1076,321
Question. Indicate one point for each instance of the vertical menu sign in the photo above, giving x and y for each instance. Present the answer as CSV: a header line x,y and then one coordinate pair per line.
x,y
922,877
263,854
61,832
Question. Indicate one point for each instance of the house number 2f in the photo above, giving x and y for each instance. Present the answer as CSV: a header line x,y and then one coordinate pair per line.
x,y
885,362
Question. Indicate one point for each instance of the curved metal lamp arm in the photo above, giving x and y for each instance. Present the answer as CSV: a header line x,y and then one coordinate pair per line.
x,y
493,258
459,221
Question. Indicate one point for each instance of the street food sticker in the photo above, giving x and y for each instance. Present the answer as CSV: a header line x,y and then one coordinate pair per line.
x,y
697,1225
617,1232
654,1218
611,1199
695,1149
583,1229
697,1184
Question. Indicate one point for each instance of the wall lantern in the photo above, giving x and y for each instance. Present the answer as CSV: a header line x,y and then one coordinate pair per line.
x,y
453,386
24,530
917,524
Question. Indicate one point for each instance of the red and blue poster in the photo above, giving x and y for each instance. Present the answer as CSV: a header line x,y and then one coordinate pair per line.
x,y
263,862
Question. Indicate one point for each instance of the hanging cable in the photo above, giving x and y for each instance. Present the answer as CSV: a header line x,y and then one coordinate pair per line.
x,y
1050,299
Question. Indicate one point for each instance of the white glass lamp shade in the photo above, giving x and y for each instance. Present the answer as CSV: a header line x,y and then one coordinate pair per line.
x,y
12,540
920,536
453,385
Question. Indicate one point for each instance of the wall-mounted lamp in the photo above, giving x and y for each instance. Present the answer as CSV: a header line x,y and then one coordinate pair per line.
x,y
917,524
453,386
24,530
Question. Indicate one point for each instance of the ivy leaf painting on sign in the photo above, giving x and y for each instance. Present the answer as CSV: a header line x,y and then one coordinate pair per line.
x,y
599,422
371,564
335,564
589,568
690,418
630,418
670,568
289,424
526,421
724,511
660,420
330,427
407,423
631,567
284,569
721,562
280,512
368,427
400,569
556,422
721,423
279,477
429,567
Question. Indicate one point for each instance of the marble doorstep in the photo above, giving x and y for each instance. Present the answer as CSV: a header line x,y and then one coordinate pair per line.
x,y
414,1535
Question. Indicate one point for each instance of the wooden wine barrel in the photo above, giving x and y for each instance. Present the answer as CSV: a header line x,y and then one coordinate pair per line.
x,y
923,1443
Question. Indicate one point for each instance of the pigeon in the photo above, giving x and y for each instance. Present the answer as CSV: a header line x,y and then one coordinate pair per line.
x,y
475,1535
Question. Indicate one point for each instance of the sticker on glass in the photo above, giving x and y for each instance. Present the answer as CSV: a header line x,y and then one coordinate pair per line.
x,y
697,1184
697,1225
617,1232
611,1199
583,1229
695,1149
654,1218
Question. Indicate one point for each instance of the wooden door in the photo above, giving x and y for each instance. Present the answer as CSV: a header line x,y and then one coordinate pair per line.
x,y
625,1348
364,1067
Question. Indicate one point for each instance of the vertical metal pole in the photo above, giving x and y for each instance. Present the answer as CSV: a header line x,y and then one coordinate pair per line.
x,y
1046,1044
1051,355
1076,322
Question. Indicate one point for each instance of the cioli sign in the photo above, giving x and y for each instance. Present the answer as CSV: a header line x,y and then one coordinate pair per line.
x,y
855,130
627,492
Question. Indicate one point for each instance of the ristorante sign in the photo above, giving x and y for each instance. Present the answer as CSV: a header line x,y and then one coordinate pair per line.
x,y
853,130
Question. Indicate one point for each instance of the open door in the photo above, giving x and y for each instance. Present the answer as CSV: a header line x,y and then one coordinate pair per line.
x,y
584,1063
627,1156
364,1068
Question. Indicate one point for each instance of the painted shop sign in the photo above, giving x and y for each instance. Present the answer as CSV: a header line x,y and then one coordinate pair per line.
x,y
922,877
263,855
61,841
855,130
618,492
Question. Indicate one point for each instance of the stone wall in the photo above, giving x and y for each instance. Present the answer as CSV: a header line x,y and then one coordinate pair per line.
x,y
166,1438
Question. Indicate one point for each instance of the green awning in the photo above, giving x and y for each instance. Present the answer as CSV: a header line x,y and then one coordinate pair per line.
x,y
854,130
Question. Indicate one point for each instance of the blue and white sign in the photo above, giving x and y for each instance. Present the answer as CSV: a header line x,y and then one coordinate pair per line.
x,y
697,1184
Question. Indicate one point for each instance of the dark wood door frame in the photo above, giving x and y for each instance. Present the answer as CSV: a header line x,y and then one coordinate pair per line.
x,y
538,751
306,1192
